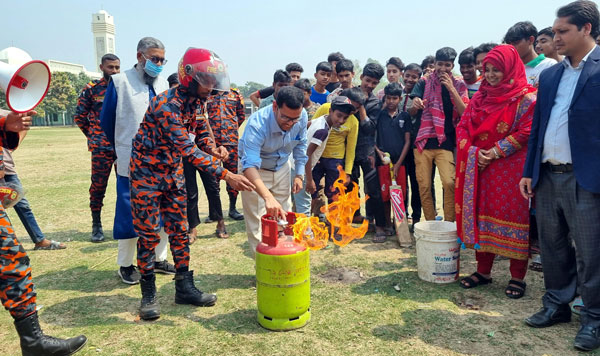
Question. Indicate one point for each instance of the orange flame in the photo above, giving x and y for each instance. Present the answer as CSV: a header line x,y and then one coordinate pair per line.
x,y
341,211
313,234
310,232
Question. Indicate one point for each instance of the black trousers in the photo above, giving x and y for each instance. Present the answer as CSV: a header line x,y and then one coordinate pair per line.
x,y
191,185
564,208
213,194
374,204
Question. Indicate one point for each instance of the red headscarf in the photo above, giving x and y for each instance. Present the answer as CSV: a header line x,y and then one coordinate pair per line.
x,y
514,84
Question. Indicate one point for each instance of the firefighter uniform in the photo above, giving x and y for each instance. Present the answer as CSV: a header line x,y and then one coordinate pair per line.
x,y
16,286
156,174
87,117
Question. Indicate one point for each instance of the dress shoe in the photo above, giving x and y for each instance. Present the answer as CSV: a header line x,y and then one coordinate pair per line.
x,y
546,317
588,338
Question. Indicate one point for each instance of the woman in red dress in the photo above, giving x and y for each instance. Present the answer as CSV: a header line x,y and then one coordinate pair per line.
x,y
492,135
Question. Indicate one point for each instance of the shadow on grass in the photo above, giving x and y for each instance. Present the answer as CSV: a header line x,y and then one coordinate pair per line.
x,y
237,322
406,262
245,247
476,333
211,283
101,246
231,225
80,279
411,287
73,235
440,328
98,310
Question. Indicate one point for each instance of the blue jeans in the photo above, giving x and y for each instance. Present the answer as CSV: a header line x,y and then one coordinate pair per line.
x,y
302,198
25,214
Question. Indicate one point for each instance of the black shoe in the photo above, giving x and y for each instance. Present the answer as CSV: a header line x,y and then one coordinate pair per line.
x,y
208,220
164,267
588,338
149,308
546,317
235,215
35,343
97,233
187,293
129,275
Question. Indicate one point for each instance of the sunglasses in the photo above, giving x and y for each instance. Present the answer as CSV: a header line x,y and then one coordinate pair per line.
x,y
156,60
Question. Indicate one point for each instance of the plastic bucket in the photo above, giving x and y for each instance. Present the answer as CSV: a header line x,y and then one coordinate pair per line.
x,y
438,252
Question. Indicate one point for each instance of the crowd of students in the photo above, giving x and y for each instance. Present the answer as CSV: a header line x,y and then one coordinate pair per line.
x,y
393,121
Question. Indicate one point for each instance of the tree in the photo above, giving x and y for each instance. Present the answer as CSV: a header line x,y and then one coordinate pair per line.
x,y
62,95
249,88
3,100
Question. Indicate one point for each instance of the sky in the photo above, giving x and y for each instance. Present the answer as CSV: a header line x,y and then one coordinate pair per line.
x,y
255,38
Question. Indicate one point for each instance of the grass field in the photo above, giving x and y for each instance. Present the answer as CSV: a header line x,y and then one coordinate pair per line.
x,y
79,291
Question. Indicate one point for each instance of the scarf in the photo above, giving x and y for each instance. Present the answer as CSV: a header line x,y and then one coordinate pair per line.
x,y
432,119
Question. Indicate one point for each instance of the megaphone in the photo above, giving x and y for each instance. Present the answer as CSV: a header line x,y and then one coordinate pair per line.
x,y
25,85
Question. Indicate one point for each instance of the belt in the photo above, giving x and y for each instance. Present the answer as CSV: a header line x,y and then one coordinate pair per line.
x,y
558,168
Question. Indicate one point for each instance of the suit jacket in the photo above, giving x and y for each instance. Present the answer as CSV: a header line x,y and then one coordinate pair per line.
x,y
584,123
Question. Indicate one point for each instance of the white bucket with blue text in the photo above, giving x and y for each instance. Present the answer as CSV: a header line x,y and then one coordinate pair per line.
x,y
438,252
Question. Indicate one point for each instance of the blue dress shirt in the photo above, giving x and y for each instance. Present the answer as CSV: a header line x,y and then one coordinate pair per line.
x,y
264,145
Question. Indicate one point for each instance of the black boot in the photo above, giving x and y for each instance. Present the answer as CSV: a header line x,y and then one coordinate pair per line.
x,y
187,293
149,308
97,233
233,213
35,343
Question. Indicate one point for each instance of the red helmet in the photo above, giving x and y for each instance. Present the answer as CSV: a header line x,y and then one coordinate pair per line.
x,y
205,67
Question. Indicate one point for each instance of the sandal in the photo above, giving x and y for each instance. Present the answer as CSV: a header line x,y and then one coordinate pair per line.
x,y
222,234
389,231
577,306
54,245
517,287
481,280
536,264
380,237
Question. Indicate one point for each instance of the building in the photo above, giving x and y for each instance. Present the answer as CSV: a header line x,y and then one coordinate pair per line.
x,y
103,28
60,66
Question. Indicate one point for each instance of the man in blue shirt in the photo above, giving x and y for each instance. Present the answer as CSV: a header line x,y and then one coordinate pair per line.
x,y
271,135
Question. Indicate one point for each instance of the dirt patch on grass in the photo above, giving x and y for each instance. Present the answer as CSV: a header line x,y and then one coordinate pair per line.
x,y
345,275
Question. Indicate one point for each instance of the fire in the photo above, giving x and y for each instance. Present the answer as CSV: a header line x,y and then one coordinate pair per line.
x,y
313,233
310,232
341,211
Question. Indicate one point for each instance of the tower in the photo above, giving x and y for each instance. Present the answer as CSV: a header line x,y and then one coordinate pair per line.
x,y
103,28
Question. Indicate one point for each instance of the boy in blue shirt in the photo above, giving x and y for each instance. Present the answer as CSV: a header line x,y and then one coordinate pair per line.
x,y
322,75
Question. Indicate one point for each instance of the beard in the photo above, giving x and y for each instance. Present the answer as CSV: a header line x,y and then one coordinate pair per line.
x,y
148,79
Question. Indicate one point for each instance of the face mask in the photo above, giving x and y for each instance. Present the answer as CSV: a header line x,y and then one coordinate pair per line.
x,y
152,69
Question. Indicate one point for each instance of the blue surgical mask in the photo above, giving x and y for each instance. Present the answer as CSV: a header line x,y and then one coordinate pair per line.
x,y
152,69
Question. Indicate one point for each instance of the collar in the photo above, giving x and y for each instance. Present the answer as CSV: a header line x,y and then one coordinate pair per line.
x,y
567,61
537,60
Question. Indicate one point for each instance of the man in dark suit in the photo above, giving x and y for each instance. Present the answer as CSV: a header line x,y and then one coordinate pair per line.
x,y
563,169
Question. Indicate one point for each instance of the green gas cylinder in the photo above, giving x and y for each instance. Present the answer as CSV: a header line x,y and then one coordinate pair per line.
x,y
282,277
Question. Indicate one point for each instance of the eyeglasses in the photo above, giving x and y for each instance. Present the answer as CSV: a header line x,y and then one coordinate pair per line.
x,y
289,119
156,60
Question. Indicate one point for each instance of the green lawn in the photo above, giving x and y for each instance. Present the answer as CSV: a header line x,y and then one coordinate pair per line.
x,y
81,293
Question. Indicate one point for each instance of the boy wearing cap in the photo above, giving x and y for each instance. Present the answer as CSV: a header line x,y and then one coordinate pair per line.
x,y
317,135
